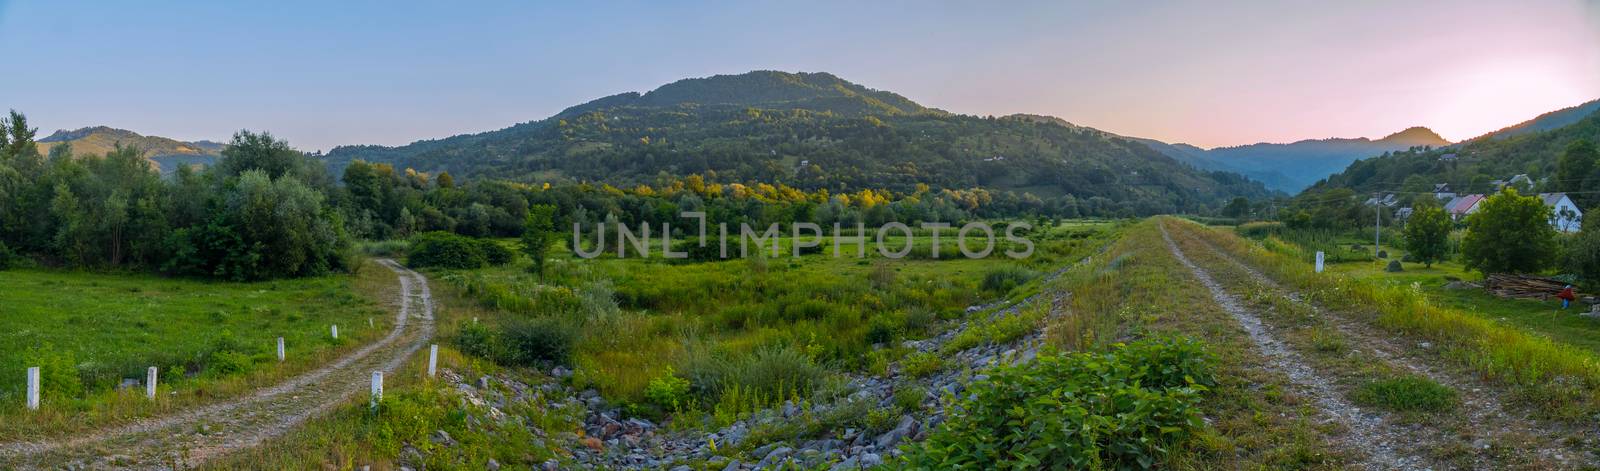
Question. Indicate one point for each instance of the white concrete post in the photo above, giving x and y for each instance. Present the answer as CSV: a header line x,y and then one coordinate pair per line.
x,y
33,388
150,383
377,388
336,332
280,349
1319,261
433,360
369,322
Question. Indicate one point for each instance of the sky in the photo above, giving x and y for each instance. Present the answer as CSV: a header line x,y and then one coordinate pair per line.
x,y
322,74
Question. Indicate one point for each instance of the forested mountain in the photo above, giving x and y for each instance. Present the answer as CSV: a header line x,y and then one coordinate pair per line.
x,y
814,132
1471,166
1545,122
166,154
1295,166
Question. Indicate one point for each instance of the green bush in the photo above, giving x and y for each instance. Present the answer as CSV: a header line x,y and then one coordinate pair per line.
x,y
477,340
1258,230
909,398
227,363
1124,409
667,391
446,250
7,257
58,371
494,253
1003,279
537,341
921,364
1406,394
1394,267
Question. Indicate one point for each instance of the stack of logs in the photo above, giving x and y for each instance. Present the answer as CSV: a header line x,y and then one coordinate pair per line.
x,y
1523,286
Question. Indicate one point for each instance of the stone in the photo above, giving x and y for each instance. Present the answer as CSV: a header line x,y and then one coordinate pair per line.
x,y
774,458
905,428
682,467
442,437
493,465
592,443
551,465
732,466
869,460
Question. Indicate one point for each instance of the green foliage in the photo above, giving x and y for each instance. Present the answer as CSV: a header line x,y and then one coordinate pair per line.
x,y
538,232
538,341
909,398
1582,254
1394,267
58,371
494,253
228,363
1406,394
446,250
7,257
1260,229
478,340
921,364
667,391
1128,408
1002,280
1427,234
1509,233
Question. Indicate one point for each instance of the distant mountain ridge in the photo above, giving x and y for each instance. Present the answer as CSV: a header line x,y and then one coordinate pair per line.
x,y
1294,166
815,131
165,153
1545,122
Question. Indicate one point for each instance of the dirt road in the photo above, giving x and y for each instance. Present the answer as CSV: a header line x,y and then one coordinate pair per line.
x,y
192,437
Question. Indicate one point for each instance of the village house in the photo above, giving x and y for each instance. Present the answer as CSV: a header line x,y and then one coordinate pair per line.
x,y
1565,215
1459,207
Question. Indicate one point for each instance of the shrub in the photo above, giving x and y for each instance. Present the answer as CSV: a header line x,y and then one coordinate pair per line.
x,y
228,363
880,331
1406,394
1003,279
7,257
537,341
384,248
1394,267
446,250
58,371
921,364
1123,409
477,340
494,253
1383,254
909,398
667,391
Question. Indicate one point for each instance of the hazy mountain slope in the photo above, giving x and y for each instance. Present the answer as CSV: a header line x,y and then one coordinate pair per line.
x,y
167,154
1295,166
815,131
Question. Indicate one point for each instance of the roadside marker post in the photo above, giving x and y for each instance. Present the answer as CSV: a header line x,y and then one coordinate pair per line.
x,y
150,383
33,388
433,360
335,331
369,323
377,388
1319,261
280,349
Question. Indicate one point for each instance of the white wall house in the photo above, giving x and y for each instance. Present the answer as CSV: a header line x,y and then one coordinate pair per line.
x,y
1565,216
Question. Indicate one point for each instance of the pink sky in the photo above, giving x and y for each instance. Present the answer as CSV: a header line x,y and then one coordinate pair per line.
x,y
1210,73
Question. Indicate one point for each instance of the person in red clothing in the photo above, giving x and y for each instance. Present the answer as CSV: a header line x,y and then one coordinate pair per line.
x,y
1567,296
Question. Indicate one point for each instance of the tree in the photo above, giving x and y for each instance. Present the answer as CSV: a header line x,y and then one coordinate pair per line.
x,y
1238,208
538,231
1576,166
1509,233
259,151
1583,253
1427,234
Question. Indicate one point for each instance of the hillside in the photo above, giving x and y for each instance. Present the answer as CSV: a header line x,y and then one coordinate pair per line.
x,y
817,131
1295,166
1469,167
1545,122
166,154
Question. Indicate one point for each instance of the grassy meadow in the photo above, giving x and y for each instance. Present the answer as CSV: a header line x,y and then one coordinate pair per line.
x,y
89,331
